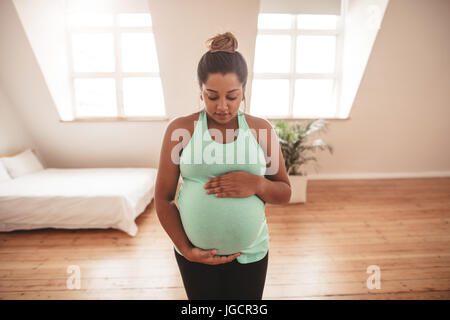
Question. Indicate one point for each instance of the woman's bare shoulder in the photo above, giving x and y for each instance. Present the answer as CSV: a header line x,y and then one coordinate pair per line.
x,y
256,123
259,125
185,122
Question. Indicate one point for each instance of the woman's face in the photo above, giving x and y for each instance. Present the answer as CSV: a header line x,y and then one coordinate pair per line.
x,y
222,95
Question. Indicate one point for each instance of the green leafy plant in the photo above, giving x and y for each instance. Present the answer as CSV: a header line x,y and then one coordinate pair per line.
x,y
293,142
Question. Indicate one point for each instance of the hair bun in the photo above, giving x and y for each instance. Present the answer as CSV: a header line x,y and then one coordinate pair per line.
x,y
222,42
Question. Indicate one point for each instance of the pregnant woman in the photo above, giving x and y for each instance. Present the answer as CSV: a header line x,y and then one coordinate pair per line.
x,y
218,224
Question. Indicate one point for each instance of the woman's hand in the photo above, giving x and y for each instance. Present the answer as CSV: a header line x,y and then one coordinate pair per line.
x,y
236,184
195,254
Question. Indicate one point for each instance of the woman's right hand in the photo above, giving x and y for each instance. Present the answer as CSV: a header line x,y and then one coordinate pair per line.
x,y
195,254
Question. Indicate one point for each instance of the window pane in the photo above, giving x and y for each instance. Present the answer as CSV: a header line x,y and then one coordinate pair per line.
x,y
143,97
135,20
90,19
314,98
270,97
139,52
272,53
316,22
93,52
316,54
95,97
274,21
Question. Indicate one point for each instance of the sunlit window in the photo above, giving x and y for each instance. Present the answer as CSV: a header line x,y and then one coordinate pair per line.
x,y
296,66
114,64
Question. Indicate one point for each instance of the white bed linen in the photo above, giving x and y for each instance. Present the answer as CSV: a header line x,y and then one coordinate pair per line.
x,y
21,164
77,198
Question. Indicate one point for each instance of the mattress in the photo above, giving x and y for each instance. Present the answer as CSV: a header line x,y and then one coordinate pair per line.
x,y
77,198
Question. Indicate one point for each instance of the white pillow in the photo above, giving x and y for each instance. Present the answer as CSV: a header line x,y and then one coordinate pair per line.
x,y
22,164
4,175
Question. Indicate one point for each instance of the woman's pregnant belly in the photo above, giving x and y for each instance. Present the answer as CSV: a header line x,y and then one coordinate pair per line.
x,y
226,224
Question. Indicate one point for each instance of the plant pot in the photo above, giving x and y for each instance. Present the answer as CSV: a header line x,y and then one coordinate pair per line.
x,y
298,188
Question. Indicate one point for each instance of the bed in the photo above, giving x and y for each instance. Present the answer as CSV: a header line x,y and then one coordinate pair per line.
x,y
76,198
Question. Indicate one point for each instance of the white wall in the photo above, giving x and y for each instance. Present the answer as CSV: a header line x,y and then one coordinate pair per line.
x,y
400,120
14,136
398,126
362,20
46,17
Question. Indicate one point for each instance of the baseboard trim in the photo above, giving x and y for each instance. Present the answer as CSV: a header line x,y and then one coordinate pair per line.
x,y
380,175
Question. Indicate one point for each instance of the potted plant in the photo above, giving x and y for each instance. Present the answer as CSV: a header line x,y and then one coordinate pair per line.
x,y
296,151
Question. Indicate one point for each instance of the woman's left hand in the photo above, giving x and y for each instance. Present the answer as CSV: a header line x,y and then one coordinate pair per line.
x,y
236,184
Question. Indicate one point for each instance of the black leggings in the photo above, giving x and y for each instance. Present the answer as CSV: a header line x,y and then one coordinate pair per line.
x,y
231,280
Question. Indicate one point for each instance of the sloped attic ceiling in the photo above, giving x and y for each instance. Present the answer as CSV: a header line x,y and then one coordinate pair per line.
x,y
48,39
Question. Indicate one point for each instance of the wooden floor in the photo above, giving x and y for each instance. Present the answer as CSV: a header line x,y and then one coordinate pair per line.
x,y
318,250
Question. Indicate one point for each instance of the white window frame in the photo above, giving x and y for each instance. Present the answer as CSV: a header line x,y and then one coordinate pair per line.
x,y
118,75
292,75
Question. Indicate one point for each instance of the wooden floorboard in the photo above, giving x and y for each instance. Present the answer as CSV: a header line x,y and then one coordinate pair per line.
x,y
320,249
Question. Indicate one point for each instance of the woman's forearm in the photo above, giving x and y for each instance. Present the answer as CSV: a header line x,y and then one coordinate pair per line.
x,y
276,192
170,219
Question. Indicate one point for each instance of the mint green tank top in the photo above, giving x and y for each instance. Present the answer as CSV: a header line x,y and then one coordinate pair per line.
x,y
228,224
